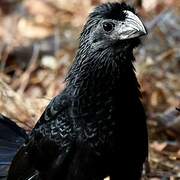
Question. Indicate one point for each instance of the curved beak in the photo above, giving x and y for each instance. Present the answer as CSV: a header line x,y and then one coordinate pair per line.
x,y
132,27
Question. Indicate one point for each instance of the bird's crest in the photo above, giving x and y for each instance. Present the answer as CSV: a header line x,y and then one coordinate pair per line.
x,y
112,11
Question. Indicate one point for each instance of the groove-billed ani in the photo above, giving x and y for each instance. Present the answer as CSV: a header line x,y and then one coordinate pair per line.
x,y
97,126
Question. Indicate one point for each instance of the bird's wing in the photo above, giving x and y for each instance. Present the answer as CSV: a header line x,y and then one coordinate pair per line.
x,y
56,106
50,143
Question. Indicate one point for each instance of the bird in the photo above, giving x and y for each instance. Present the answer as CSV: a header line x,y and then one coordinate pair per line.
x,y
97,126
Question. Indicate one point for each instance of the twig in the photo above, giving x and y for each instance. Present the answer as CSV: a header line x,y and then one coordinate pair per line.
x,y
5,51
32,64
4,56
56,41
152,24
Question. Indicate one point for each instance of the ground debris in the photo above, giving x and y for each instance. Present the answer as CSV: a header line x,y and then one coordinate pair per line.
x,y
36,53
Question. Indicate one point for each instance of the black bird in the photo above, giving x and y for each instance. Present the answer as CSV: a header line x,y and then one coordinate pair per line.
x,y
97,126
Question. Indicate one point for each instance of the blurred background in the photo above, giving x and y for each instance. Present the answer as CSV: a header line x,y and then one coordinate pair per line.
x,y
38,41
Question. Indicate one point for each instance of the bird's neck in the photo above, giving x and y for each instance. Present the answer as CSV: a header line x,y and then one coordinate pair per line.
x,y
99,76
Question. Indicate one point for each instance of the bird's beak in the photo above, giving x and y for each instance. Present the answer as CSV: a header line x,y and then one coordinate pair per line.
x,y
132,27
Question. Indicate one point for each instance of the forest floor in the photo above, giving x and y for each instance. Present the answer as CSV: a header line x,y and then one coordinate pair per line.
x,y
39,39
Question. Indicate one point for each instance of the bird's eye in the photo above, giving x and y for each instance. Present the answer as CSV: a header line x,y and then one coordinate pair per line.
x,y
108,26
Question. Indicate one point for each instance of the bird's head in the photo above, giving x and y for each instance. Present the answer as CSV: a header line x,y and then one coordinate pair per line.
x,y
107,41
113,25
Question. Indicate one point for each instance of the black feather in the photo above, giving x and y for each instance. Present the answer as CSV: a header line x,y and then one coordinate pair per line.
x,y
11,138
